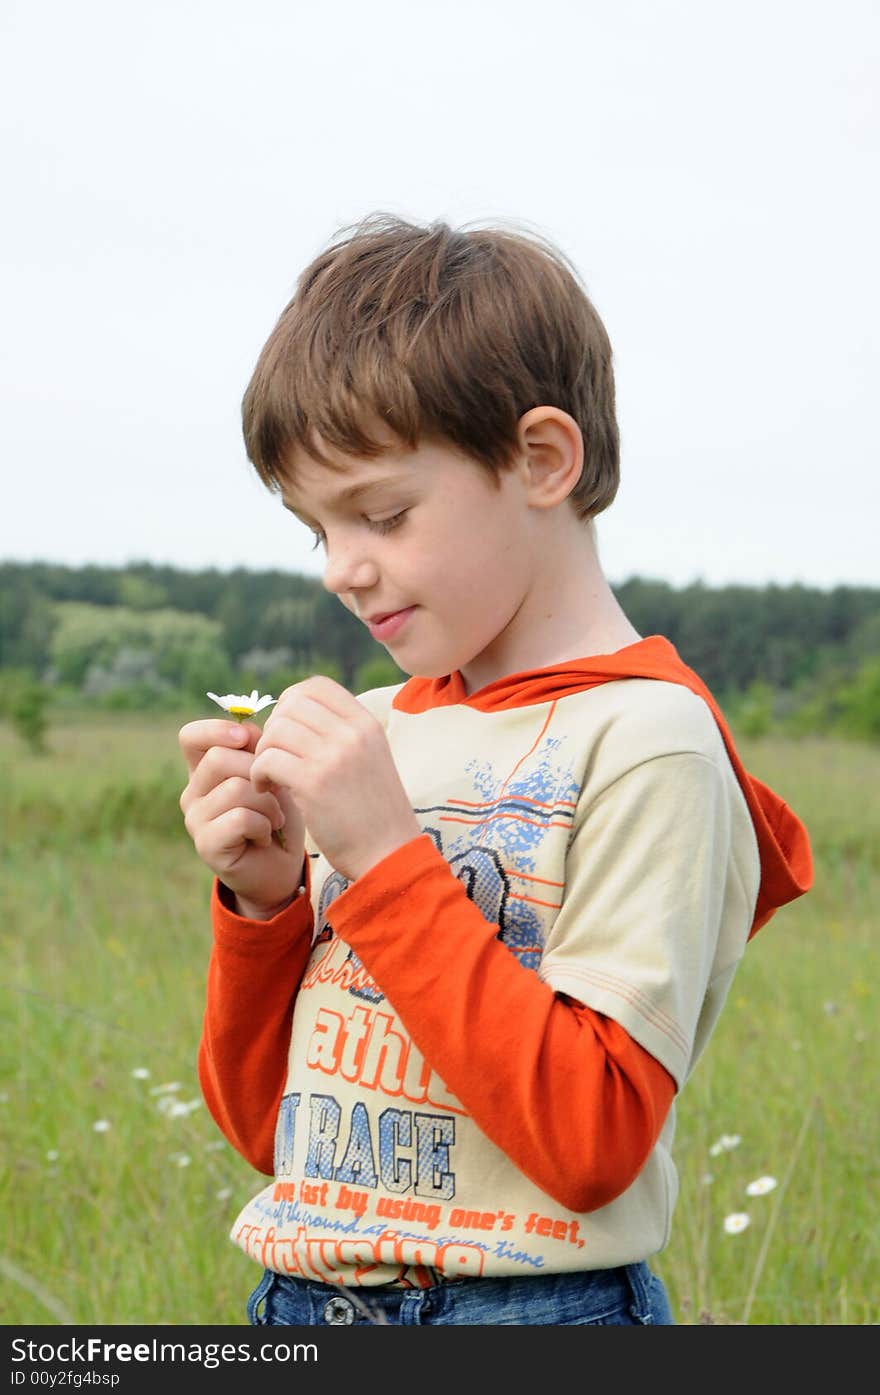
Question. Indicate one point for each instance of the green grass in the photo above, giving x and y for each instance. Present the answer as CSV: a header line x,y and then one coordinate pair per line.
x,y
105,941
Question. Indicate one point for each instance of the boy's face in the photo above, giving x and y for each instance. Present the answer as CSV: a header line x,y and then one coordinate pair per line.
x,y
425,549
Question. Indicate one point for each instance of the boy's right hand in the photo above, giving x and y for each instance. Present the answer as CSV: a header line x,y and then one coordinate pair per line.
x,y
231,824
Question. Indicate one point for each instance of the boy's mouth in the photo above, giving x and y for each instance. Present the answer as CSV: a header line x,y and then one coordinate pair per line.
x,y
384,624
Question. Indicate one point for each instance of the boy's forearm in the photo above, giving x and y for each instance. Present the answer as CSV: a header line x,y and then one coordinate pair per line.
x,y
565,1092
253,979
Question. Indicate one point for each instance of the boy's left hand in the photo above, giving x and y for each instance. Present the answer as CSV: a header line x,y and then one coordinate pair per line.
x,y
323,745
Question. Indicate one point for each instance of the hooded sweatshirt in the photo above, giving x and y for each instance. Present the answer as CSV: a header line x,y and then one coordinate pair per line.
x,y
465,1062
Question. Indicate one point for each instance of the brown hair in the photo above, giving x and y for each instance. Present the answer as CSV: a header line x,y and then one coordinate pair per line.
x,y
431,332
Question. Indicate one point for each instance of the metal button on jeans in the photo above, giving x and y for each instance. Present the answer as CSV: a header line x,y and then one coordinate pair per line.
x,y
339,1311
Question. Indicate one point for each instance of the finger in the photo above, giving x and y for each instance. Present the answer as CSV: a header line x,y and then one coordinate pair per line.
x,y
291,735
308,711
219,763
275,768
235,793
324,691
195,738
222,842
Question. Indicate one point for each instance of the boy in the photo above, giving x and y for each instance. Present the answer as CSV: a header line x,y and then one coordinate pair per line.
x,y
449,1012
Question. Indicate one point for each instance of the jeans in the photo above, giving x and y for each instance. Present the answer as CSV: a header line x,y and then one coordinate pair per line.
x,y
631,1295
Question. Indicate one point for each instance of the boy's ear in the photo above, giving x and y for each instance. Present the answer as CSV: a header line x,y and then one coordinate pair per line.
x,y
551,454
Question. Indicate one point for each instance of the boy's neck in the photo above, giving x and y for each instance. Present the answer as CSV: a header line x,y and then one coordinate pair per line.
x,y
569,613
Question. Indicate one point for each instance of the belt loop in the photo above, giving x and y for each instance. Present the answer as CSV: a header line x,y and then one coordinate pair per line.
x,y
638,1277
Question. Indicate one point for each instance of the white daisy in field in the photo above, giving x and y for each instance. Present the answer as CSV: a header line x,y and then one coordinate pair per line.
x,y
725,1143
736,1222
761,1186
241,707
176,1109
180,1159
167,1089
101,1125
52,1155
140,1073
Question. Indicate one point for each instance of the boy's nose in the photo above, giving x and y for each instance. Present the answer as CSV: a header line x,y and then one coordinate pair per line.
x,y
349,569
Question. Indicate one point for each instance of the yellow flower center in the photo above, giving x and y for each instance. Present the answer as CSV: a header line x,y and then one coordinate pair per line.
x,y
241,711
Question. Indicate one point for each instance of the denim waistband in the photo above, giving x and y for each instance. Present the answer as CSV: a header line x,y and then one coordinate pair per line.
x,y
630,1294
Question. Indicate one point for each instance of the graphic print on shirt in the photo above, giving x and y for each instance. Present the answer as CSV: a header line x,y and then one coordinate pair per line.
x,y
494,859
367,1133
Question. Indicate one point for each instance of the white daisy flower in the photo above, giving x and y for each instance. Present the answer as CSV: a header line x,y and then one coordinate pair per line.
x,y
736,1222
239,706
140,1073
168,1089
761,1186
101,1125
52,1155
725,1143
176,1109
180,1159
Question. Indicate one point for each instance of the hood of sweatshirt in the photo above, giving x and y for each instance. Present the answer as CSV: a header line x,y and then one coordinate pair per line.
x,y
783,842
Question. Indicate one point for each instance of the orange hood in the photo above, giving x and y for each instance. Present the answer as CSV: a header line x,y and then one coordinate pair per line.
x,y
783,842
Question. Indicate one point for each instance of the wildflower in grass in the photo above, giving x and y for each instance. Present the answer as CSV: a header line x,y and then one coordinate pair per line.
x,y
761,1186
101,1125
176,1109
168,1089
725,1143
52,1155
180,1159
241,707
140,1073
224,1194
736,1222
215,1145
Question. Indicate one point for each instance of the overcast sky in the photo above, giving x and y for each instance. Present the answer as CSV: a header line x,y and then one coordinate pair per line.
x,y
711,168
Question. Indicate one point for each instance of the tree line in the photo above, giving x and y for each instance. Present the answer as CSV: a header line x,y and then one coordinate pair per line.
x,y
796,656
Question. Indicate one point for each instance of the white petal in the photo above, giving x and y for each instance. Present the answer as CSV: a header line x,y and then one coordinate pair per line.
x,y
761,1186
736,1222
101,1125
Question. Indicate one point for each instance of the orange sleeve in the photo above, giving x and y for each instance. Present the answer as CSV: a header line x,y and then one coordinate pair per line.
x,y
564,1091
254,974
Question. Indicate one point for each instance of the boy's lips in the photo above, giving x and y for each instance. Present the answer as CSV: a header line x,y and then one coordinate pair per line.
x,y
386,623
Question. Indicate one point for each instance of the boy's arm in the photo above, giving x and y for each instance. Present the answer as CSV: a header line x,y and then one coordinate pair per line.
x,y
253,978
564,1091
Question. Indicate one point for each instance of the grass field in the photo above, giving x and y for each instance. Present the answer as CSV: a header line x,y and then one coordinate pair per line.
x,y
118,1191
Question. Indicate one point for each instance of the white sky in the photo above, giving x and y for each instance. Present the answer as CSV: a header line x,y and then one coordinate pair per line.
x,y
167,169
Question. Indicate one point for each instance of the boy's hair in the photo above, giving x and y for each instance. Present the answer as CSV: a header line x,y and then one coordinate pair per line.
x,y
433,333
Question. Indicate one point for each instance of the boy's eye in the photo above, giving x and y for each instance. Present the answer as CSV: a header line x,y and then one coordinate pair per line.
x,y
378,525
385,525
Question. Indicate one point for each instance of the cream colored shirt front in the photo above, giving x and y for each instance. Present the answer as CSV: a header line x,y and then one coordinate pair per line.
x,y
605,832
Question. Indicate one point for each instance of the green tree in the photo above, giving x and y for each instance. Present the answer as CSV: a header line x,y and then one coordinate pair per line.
x,y
25,703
